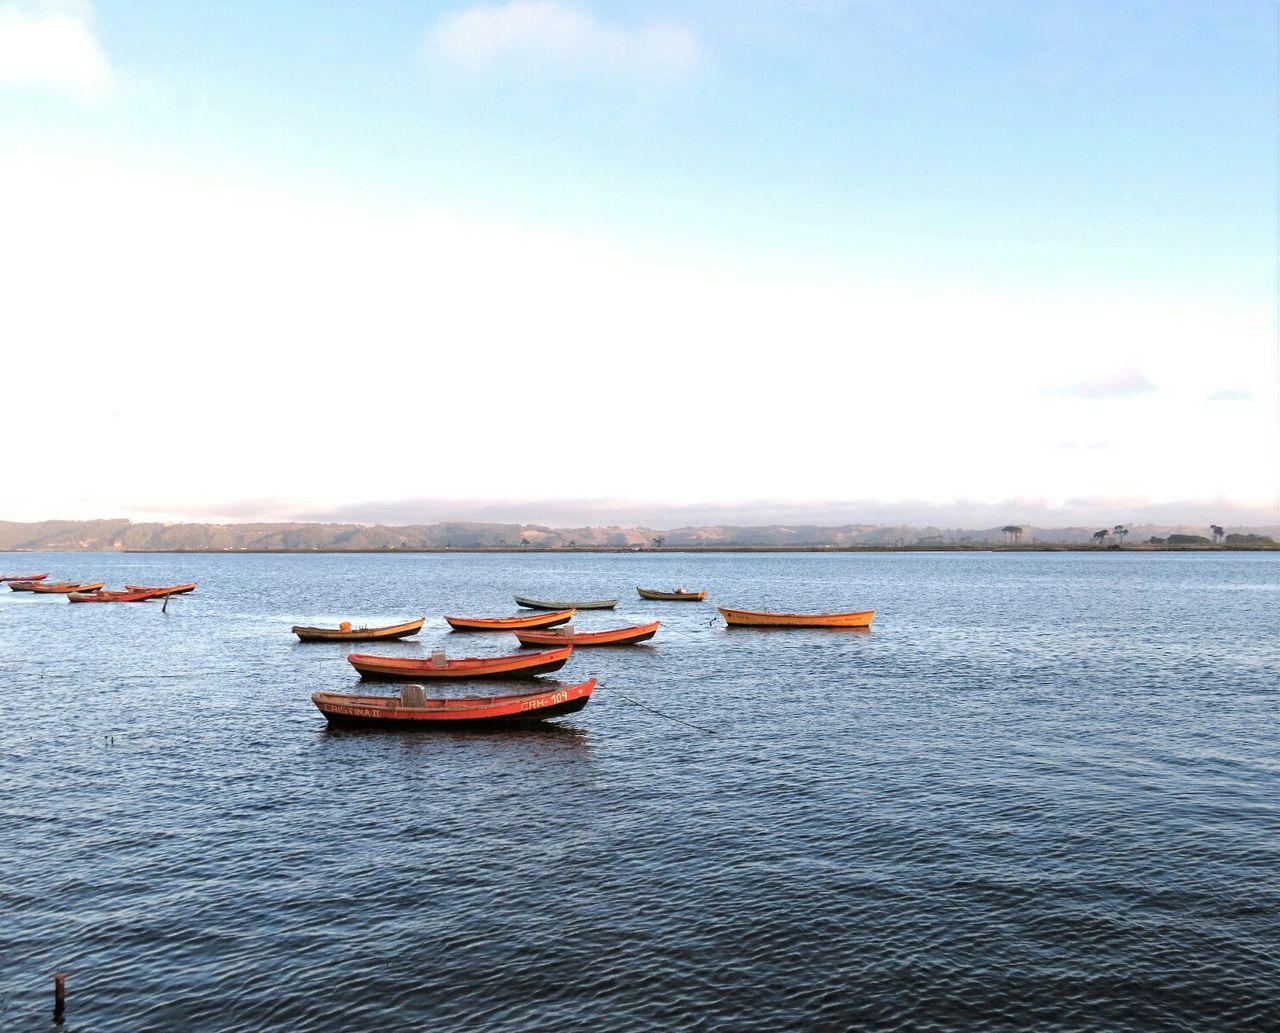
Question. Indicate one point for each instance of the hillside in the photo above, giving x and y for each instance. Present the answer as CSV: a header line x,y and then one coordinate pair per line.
x,y
126,536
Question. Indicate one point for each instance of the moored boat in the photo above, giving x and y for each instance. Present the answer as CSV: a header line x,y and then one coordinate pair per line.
x,y
160,591
542,604
64,587
673,596
611,637
347,633
517,665
540,620
24,577
23,586
412,709
109,597
758,619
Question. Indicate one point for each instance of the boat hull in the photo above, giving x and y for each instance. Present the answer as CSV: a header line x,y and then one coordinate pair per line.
x,y
613,637
671,597
542,620
756,619
66,589
109,597
24,577
542,604
387,634
161,591
476,712
517,665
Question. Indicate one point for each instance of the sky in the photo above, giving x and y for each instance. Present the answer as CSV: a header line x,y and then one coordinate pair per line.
x,y
407,261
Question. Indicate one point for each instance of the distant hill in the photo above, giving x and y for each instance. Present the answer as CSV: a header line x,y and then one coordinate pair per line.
x,y
126,536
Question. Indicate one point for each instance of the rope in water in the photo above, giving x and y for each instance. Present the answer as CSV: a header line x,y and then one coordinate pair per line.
x,y
652,710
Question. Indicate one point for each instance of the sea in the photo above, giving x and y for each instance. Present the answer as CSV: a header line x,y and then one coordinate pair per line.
x,y
1041,793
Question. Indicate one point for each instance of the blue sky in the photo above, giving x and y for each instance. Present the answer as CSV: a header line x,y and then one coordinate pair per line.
x,y
971,157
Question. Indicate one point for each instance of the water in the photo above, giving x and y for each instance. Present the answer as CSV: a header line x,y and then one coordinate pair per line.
x,y
1043,793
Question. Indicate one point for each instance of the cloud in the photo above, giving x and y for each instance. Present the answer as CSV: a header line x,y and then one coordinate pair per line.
x,y
551,34
1231,395
54,50
1124,384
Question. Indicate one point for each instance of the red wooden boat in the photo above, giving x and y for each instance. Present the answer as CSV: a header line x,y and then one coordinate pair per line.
x,y
612,637
109,597
412,709
24,577
170,590
65,587
517,665
538,620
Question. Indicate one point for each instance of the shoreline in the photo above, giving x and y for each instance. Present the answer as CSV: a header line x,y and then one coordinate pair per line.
x,y
678,549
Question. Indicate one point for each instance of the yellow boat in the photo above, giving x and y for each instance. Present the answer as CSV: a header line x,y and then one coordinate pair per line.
x,y
756,619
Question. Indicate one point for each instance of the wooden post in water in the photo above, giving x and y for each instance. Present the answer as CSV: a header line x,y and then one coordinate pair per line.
x,y
59,997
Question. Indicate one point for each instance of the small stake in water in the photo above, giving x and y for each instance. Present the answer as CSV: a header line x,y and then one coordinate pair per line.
x,y
59,997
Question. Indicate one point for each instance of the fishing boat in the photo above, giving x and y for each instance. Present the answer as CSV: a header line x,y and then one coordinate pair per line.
x,y
611,637
23,586
542,604
64,587
676,595
541,620
170,590
413,709
24,577
346,633
109,597
756,619
517,665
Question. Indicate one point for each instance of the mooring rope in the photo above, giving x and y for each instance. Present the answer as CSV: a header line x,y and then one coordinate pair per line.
x,y
652,710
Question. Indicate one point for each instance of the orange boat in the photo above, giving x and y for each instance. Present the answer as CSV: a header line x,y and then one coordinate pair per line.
x,y
23,586
170,590
412,709
109,597
349,634
64,587
517,665
24,577
612,637
538,620
756,619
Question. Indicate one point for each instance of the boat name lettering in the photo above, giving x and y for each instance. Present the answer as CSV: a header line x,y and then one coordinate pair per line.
x,y
545,701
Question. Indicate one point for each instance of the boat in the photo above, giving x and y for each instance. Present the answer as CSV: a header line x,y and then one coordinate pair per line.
x,y
541,620
611,637
347,633
517,665
64,587
542,604
22,586
109,597
675,595
412,709
24,577
170,590
757,619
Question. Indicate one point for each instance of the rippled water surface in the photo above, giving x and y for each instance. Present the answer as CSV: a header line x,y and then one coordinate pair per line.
x,y
1043,793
